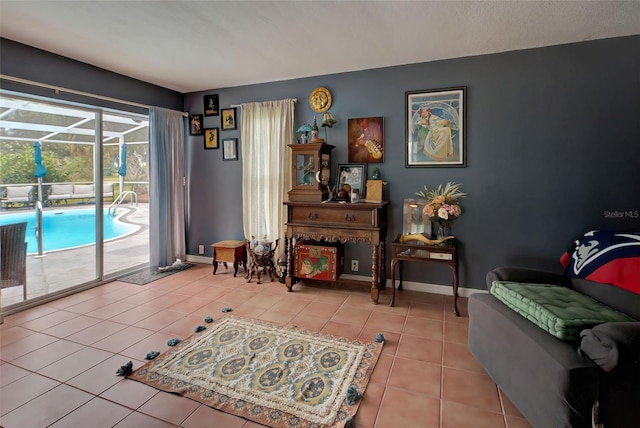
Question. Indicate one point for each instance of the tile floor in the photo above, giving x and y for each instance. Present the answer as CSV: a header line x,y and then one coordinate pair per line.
x,y
58,360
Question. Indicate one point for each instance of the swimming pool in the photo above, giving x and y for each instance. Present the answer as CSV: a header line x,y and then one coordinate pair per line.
x,y
63,229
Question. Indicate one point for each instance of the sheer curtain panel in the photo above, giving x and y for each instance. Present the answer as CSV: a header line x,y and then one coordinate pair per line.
x,y
166,187
267,128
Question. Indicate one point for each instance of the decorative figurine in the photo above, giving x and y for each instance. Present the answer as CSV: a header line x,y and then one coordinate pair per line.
x,y
375,175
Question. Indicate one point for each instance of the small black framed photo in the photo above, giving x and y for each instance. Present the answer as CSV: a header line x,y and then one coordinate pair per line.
x,y
211,105
211,138
195,124
229,118
230,149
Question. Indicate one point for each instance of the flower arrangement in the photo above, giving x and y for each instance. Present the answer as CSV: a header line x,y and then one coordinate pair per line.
x,y
442,203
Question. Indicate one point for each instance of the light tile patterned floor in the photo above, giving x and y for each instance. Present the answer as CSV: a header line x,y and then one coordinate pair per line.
x,y
58,361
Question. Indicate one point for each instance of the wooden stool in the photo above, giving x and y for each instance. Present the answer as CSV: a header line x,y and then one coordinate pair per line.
x,y
231,252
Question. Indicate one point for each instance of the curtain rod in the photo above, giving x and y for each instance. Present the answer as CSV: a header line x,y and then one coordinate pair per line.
x,y
73,91
295,100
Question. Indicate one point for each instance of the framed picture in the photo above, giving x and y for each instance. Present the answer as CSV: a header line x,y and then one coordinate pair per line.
x,y
366,140
195,124
415,221
435,127
229,118
211,138
355,175
230,149
211,105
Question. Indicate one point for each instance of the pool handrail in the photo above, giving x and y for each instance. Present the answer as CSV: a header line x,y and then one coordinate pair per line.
x,y
133,196
39,227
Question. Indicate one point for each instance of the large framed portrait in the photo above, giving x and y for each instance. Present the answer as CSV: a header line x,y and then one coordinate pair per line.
x,y
211,138
352,175
366,140
435,128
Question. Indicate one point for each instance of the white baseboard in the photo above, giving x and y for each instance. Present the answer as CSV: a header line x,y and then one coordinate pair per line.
x,y
199,259
406,285
423,286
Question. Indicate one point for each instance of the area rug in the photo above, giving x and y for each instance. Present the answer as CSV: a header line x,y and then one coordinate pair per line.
x,y
145,277
278,376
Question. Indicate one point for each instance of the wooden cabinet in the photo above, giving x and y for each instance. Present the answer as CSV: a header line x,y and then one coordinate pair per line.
x,y
361,223
310,172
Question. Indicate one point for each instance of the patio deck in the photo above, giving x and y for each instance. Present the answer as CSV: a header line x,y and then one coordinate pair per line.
x,y
63,269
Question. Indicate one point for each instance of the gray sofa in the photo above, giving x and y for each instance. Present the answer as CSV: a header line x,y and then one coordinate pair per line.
x,y
10,195
64,192
556,383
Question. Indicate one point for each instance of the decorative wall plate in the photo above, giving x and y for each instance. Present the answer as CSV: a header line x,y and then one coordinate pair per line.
x,y
320,100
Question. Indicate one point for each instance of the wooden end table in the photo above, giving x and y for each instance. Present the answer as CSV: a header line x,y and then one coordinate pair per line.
x,y
415,251
229,252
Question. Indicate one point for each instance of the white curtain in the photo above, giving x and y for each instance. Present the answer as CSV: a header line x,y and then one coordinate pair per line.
x,y
267,129
166,187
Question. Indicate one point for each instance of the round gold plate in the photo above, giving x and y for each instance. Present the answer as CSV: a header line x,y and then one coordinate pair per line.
x,y
320,100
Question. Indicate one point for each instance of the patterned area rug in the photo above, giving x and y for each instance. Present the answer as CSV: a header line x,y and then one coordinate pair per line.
x,y
274,375
145,277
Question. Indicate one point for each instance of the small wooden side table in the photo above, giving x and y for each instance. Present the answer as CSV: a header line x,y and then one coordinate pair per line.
x,y
229,252
415,251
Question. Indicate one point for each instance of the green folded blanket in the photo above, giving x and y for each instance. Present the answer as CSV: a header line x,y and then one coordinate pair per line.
x,y
561,311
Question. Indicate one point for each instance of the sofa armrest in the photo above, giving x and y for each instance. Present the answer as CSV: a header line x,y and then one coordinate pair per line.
x,y
519,274
613,344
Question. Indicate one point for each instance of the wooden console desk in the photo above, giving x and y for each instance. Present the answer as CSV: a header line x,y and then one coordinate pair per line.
x,y
362,223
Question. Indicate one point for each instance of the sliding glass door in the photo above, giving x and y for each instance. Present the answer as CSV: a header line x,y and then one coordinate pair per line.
x,y
82,174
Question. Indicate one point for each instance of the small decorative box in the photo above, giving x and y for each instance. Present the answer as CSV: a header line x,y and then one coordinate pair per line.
x,y
318,261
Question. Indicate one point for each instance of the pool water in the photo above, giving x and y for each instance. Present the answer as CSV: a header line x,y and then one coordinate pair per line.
x,y
69,228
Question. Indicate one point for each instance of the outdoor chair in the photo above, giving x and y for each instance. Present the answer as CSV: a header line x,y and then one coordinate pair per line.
x,y
13,257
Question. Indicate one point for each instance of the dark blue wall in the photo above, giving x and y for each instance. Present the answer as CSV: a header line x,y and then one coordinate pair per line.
x,y
26,62
553,146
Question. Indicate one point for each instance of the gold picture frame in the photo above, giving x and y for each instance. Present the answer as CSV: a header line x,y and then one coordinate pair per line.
x,y
211,138
229,119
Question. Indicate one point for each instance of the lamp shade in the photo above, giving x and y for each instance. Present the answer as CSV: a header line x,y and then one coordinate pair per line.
x,y
328,120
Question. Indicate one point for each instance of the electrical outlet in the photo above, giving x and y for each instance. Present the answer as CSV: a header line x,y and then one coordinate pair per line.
x,y
200,249
354,266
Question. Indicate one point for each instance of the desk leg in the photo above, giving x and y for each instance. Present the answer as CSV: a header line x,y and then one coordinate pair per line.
x,y
454,269
375,291
289,280
383,265
393,281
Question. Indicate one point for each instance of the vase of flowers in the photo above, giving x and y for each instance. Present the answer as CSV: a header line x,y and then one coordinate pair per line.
x,y
442,206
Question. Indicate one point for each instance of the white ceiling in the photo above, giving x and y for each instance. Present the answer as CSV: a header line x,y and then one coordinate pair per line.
x,y
192,46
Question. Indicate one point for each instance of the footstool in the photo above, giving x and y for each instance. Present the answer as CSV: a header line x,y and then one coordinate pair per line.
x,y
229,252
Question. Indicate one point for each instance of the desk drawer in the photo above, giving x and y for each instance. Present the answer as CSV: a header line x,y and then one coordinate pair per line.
x,y
346,216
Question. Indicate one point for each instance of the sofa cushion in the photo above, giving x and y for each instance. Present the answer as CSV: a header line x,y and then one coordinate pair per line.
x,y
107,189
558,310
83,189
616,297
18,192
61,189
